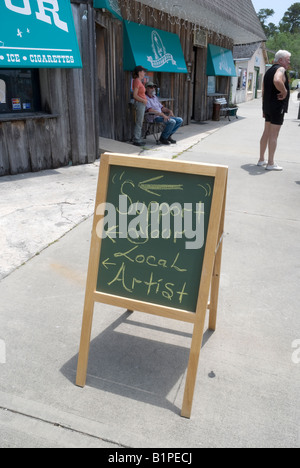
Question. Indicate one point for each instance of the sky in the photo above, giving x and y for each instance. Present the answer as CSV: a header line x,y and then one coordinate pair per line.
x,y
279,6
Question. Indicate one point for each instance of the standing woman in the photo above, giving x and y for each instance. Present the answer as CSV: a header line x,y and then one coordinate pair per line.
x,y
139,95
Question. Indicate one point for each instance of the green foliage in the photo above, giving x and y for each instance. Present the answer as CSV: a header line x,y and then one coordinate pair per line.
x,y
286,35
287,41
263,15
291,20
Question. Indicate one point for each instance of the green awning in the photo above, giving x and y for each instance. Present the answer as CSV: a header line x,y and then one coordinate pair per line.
x,y
154,49
38,35
110,5
219,61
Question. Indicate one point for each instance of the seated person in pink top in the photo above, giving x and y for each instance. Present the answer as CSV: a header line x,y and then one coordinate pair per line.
x,y
161,114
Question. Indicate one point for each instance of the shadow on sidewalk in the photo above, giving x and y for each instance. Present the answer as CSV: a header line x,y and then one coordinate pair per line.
x,y
254,170
136,367
29,175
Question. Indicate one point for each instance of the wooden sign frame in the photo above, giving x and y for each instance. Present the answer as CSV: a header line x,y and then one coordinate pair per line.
x,y
210,278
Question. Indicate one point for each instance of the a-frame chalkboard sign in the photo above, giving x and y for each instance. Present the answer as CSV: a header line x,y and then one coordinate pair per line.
x,y
156,246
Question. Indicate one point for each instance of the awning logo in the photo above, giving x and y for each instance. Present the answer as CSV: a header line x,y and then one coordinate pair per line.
x,y
161,57
224,65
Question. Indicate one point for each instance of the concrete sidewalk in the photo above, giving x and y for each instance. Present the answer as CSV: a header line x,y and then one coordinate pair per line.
x,y
247,391
36,209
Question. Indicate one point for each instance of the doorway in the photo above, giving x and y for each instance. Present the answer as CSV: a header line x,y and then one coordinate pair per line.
x,y
199,84
105,99
256,81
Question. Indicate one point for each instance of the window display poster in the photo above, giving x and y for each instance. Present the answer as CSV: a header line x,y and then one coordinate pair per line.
x,y
16,103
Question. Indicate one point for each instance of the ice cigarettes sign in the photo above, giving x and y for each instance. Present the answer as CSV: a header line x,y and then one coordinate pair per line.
x,y
38,34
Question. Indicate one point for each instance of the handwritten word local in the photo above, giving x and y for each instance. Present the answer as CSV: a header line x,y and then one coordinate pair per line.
x,y
154,285
152,221
41,14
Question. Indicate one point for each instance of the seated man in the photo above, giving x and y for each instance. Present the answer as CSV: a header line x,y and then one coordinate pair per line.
x,y
162,115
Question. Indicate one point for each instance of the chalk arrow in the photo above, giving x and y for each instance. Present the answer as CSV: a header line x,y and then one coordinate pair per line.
x,y
152,188
111,233
106,263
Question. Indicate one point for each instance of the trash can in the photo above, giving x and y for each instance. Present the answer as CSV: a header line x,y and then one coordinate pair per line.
x,y
216,111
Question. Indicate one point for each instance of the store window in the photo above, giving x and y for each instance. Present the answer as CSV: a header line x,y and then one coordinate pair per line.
x,y
2,92
211,85
217,85
242,79
19,91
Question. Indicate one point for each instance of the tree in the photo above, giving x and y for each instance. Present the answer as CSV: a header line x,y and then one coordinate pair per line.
x,y
291,20
270,29
290,42
286,36
263,15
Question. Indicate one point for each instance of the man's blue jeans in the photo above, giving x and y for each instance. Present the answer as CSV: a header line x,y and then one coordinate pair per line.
x,y
171,126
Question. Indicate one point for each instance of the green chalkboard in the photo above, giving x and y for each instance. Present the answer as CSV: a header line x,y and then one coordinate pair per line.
x,y
154,235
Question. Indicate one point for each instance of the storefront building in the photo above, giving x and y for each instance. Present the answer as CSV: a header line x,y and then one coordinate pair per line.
x,y
57,98
202,34
47,94
250,62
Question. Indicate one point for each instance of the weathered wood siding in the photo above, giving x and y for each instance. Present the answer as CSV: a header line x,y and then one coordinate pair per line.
x,y
95,101
188,91
70,133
